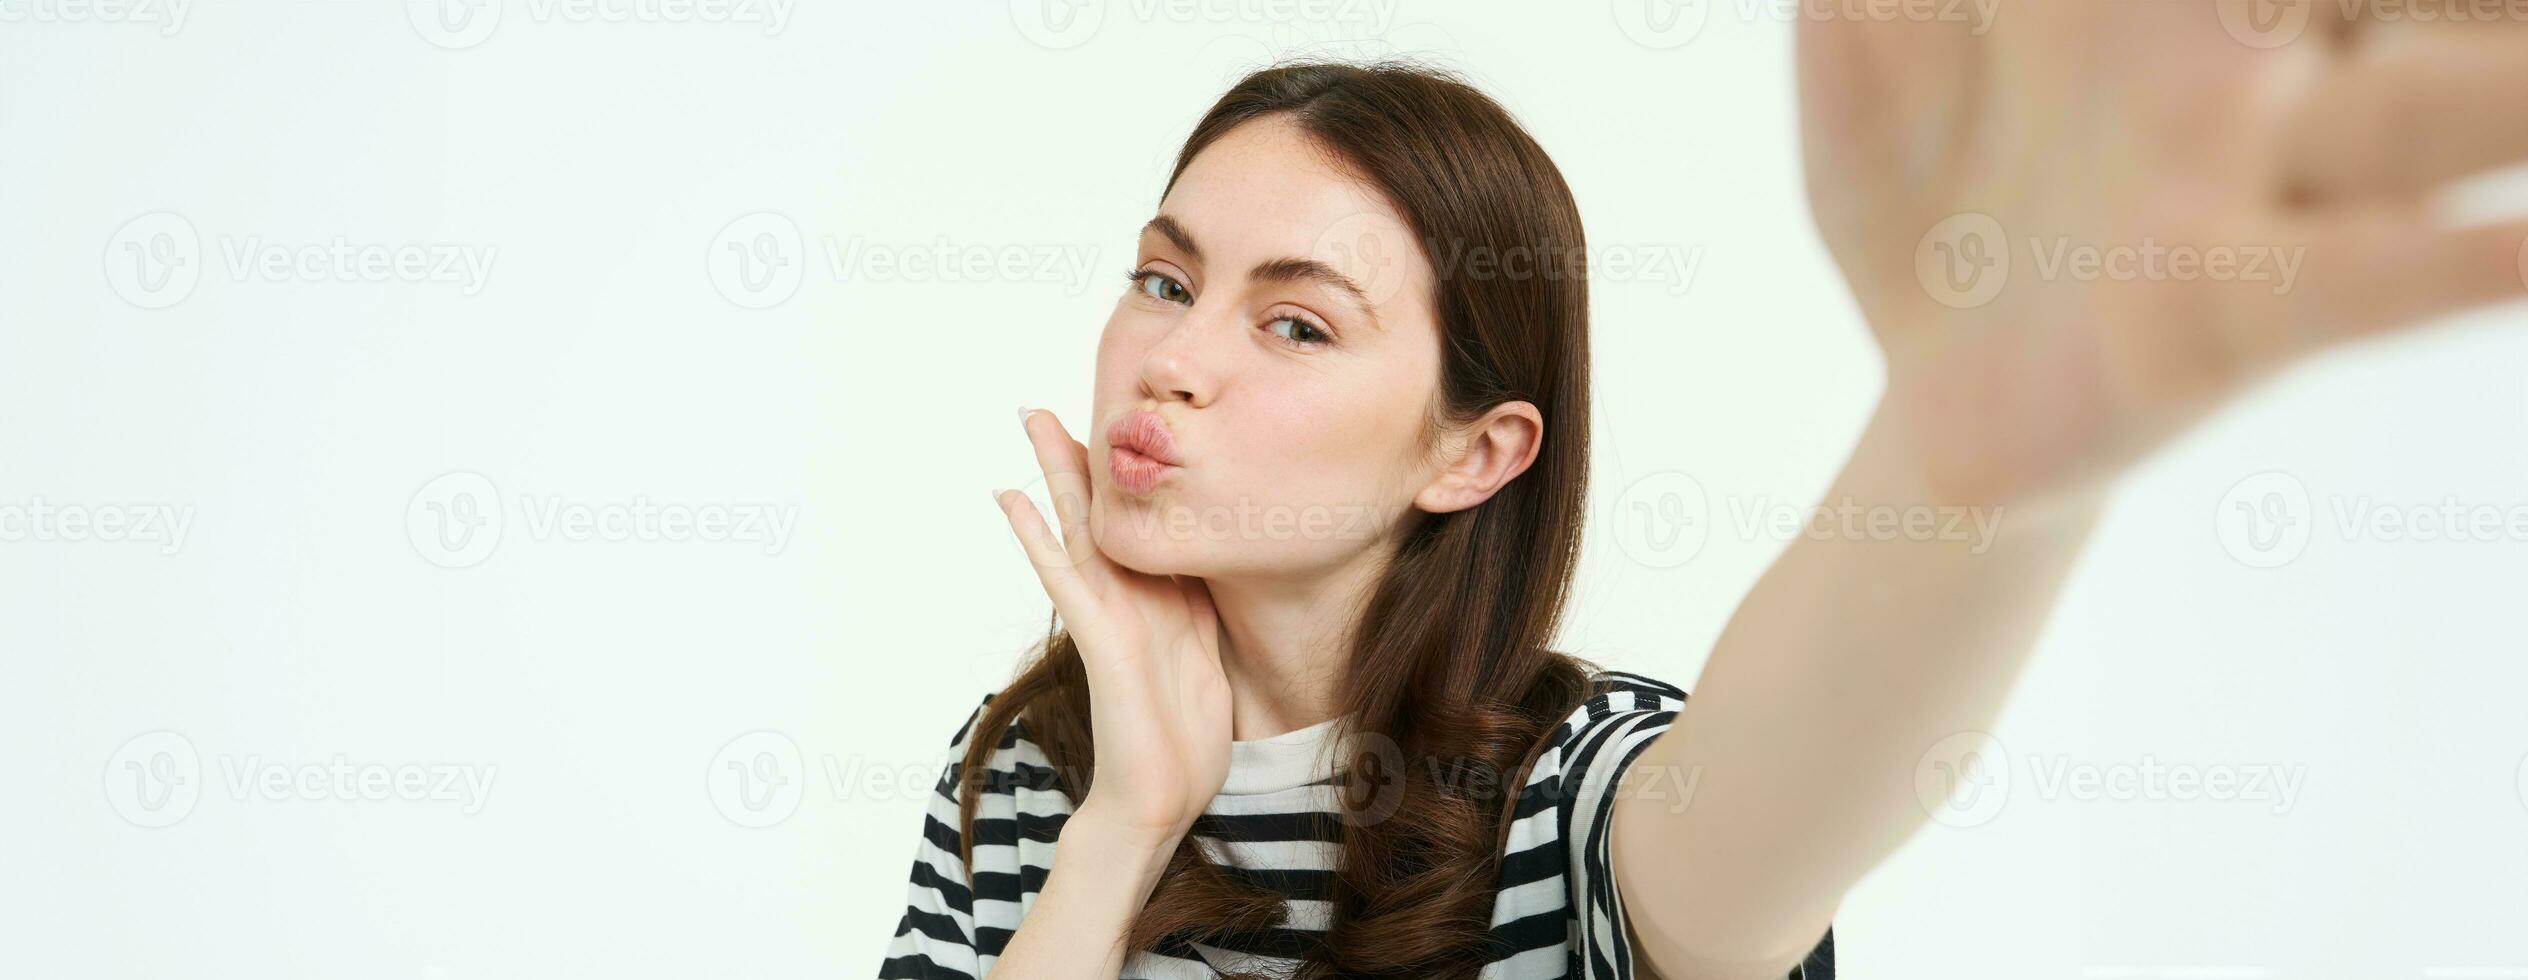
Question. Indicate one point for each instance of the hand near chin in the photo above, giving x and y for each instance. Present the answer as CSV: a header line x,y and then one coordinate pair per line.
x,y
2082,225
1151,648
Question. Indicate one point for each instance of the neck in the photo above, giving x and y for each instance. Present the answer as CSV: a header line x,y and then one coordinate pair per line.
x,y
1285,643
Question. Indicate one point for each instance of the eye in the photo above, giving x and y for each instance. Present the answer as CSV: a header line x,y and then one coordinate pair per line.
x,y
1158,286
1301,331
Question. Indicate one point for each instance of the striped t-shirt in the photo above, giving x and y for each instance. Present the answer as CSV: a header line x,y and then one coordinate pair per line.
x,y
1555,910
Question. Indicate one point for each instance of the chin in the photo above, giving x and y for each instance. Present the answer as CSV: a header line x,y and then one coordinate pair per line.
x,y
1133,532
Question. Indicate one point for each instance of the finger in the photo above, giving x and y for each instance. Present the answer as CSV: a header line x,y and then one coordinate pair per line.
x,y
1883,97
2438,106
1065,465
2375,273
1053,567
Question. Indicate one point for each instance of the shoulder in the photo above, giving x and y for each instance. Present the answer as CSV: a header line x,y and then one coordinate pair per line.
x,y
1624,690
1618,698
1618,715
1014,762
974,716
1555,890
1010,737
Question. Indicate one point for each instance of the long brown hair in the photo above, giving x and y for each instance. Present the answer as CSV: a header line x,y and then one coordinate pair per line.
x,y
1449,671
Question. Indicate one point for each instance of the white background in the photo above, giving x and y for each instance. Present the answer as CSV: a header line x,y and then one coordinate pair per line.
x,y
611,359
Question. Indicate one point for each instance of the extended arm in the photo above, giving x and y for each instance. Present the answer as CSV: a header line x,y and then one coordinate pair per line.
x,y
1949,166
1806,732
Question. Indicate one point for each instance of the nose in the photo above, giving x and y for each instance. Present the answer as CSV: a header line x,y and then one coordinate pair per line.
x,y
1185,365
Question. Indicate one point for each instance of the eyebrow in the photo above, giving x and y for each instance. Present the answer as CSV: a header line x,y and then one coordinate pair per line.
x,y
1283,270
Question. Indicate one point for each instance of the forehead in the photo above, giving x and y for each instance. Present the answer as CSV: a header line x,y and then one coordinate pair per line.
x,y
1265,191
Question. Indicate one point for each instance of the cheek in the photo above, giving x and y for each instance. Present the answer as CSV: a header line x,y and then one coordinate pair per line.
x,y
1121,348
1331,444
1109,347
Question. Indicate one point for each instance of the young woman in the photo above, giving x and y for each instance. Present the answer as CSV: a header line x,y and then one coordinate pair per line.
x,y
1297,714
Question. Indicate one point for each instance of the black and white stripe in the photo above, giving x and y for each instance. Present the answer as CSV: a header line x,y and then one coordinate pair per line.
x,y
1556,913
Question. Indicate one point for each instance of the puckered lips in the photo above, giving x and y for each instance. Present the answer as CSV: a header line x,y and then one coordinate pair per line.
x,y
1141,452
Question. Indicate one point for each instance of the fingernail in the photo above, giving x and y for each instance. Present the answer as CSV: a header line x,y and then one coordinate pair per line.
x,y
996,494
1023,412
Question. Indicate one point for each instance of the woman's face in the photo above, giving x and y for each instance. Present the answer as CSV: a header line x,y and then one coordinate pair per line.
x,y
1282,331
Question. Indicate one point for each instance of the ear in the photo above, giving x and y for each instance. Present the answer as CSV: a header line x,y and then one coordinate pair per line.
x,y
1479,459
